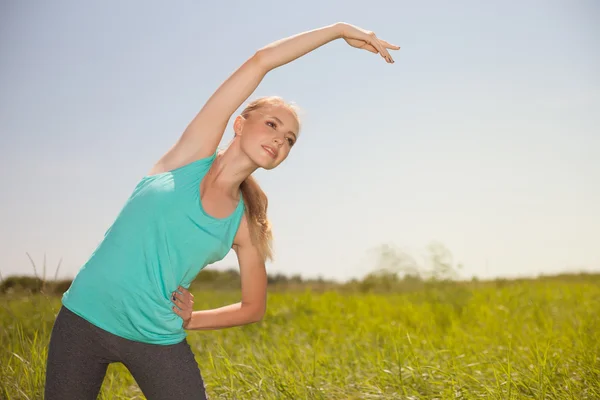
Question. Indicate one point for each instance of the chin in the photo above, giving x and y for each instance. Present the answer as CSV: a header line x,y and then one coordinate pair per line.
x,y
269,166
264,161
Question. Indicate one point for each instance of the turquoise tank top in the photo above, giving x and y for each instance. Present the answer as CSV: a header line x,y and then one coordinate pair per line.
x,y
161,239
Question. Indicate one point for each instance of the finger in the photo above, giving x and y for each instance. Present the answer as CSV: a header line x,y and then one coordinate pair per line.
x,y
178,303
383,52
374,41
375,44
389,45
183,304
176,298
178,295
177,311
187,294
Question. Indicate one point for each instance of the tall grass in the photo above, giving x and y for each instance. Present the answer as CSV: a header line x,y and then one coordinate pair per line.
x,y
537,339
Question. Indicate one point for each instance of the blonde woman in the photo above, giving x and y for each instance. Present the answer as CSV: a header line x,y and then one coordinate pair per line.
x,y
129,302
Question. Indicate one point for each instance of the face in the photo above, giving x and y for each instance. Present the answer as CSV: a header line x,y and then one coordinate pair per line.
x,y
268,134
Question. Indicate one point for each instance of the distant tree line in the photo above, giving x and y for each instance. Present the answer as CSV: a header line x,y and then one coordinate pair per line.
x,y
395,271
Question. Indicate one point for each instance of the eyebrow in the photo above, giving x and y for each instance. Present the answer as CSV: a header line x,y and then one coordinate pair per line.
x,y
282,124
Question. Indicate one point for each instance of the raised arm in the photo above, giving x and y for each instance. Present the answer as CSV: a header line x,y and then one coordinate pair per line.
x,y
204,133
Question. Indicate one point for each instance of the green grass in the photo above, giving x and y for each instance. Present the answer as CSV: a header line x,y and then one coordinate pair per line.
x,y
537,339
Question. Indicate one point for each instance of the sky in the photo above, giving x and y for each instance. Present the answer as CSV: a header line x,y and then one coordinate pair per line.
x,y
482,136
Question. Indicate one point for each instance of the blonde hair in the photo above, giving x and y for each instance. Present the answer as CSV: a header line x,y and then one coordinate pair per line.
x,y
255,199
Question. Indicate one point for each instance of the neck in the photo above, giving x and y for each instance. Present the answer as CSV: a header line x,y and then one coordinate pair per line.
x,y
229,170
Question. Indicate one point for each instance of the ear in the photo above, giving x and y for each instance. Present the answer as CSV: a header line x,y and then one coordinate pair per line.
x,y
238,125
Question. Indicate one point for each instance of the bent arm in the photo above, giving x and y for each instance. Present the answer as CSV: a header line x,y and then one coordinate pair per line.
x,y
254,290
204,133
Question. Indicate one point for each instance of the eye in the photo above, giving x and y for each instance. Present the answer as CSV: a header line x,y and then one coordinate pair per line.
x,y
272,124
290,141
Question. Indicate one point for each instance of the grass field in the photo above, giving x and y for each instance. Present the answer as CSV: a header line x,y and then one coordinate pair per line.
x,y
536,339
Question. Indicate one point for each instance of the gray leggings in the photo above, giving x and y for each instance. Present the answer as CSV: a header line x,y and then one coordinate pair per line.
x,y
79,353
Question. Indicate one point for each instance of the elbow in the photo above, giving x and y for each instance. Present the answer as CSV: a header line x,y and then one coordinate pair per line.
x,y
261,60
256,315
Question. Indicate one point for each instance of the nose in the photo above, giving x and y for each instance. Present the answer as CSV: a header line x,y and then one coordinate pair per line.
x,y
278,140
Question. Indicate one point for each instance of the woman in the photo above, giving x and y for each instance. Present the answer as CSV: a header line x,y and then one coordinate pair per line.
x,y
129,303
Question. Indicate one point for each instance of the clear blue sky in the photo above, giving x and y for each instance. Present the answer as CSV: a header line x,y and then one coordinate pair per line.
x,y
484,135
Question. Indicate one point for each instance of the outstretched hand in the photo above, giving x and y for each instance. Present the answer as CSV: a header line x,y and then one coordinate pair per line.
x,y
184,303
367,40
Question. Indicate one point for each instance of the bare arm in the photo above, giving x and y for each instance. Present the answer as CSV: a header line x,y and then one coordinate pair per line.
x,y
204,133
254,290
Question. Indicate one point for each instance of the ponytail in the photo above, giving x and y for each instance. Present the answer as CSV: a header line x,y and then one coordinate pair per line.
x,y
256,203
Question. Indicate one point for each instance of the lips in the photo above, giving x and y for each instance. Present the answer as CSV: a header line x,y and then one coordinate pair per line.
x,y
271,151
